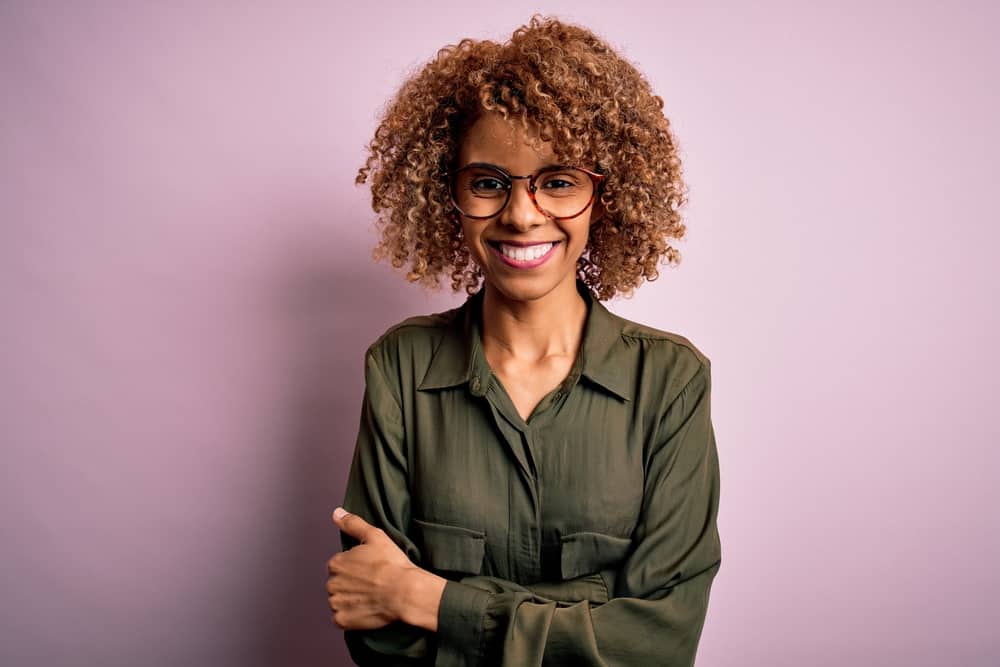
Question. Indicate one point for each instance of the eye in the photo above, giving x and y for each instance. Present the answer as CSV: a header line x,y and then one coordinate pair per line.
x,y
565,182
487,184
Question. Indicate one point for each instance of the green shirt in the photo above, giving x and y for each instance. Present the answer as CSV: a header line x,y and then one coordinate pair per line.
x,y
586,535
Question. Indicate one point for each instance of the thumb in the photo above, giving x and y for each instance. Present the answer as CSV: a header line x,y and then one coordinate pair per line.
x,y
352,524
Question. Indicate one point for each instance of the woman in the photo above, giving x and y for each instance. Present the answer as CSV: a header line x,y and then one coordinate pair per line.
x,y
535,479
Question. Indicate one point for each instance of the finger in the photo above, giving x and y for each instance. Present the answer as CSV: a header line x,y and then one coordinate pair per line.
x,y
346,580
347,585
347,561
356,615
334,563
352,524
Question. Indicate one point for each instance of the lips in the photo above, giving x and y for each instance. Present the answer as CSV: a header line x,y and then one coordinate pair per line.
x,y
524,255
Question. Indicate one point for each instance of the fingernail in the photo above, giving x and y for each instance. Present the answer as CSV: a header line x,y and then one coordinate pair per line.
x,y
339,513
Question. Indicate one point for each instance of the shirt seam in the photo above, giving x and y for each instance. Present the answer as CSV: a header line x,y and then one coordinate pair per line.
x,y
400,328
436,321
703,368
385,380
702,358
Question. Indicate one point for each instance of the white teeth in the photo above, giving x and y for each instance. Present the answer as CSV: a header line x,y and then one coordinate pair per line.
x,y
525,254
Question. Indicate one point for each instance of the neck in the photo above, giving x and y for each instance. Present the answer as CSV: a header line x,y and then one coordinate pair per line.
x,y
536,329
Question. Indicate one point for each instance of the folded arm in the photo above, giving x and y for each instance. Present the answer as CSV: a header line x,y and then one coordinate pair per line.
x,y
657,608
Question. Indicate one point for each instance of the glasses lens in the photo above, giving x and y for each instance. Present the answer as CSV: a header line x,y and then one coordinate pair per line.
x,y
563,192
479,191
482,192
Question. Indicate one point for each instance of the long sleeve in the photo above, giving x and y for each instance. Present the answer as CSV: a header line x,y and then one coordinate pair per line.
x,y
377,491
656,612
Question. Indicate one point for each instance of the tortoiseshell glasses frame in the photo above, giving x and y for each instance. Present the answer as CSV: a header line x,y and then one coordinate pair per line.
x,y
507,178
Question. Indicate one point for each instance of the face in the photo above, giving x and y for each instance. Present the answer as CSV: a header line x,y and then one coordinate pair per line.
x,y
524,255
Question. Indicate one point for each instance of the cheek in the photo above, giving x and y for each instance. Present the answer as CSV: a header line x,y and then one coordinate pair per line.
x,y
580,237
471,239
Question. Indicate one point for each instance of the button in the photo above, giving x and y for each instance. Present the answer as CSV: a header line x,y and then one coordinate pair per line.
x,y
475,384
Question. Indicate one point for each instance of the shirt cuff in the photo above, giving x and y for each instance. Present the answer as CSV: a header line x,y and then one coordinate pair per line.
x,y
460,624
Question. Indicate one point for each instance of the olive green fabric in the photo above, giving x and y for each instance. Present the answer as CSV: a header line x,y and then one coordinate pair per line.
x,y
586,535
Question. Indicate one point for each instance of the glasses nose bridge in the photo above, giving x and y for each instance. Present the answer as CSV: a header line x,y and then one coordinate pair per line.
x,y
530,184
529,191
516,215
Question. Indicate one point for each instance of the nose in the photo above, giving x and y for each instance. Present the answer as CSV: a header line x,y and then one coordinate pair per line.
x,y
521,212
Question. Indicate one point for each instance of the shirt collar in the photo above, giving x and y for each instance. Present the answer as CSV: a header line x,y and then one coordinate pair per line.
x,y
459,357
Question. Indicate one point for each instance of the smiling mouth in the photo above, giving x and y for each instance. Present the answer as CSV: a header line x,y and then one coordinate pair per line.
x,y
523,253
523,257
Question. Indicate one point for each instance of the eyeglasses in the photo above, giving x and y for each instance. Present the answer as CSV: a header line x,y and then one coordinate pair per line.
x,y
481,190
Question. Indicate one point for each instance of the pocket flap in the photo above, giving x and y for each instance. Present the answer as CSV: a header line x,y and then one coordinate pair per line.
x,y
586,553
451,548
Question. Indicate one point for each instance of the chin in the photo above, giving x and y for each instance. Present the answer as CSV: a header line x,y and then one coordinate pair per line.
x,y
526,288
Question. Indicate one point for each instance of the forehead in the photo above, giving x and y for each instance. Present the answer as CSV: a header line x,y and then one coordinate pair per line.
x,y
497,140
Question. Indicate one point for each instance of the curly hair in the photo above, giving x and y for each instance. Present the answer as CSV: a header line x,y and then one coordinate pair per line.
x,y
578,94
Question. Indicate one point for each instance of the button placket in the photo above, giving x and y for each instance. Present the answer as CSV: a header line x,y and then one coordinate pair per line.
x,y
523,499
533,533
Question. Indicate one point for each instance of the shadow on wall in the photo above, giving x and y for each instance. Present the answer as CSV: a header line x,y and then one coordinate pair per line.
x,y
336,306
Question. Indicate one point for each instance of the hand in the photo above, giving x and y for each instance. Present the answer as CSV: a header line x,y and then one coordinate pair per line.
x,y
366,583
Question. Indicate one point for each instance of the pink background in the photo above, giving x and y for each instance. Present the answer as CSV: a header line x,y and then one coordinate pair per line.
x,y
187,292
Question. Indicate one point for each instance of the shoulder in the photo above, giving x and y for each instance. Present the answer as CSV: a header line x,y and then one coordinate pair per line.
x,y
668,341
416,336
662,341
667,361
417,327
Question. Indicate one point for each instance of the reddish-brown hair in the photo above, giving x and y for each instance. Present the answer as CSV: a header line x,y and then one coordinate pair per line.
x,y
571,88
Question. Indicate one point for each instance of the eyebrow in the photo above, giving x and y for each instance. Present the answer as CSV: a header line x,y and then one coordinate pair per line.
x,y
551,165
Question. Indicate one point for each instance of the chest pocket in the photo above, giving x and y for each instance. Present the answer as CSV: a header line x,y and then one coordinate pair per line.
x,y
587,552
450,548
